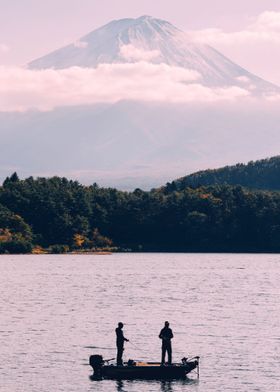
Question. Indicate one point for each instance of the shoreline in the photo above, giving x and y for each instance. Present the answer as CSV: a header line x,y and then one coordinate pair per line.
x,y
108,253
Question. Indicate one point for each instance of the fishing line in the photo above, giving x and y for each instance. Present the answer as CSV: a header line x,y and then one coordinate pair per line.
x,y
134,345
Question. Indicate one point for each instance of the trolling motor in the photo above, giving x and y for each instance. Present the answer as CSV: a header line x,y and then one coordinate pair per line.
x,y
192,363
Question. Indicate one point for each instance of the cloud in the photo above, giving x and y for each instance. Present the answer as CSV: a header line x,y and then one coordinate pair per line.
x,y
23,89
265,28
130,52
267,21
80,44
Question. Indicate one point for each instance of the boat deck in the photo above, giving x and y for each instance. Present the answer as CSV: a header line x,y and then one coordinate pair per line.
x,y
155,364
147,363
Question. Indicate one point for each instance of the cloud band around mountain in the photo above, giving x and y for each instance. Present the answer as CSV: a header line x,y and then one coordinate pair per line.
x,y
23,89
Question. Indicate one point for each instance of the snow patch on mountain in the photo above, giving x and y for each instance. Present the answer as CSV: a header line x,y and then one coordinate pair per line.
x,y
132,53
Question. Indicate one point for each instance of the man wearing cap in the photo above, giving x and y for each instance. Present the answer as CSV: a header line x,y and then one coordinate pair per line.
x,y
120,342
166,335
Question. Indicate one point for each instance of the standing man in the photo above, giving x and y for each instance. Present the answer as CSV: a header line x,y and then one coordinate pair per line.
x,y
120,342
166,335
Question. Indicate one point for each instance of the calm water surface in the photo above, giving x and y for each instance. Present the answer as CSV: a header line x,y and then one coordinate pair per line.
x,y
224,308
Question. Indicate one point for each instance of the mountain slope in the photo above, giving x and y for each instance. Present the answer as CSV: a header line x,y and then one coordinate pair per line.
x,y
156,41
261,174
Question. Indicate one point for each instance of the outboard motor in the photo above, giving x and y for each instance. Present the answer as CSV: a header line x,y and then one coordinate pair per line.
x,y
192,363
96,362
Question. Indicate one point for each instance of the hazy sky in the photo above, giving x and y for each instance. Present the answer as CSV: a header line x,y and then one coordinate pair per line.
x,y
243,32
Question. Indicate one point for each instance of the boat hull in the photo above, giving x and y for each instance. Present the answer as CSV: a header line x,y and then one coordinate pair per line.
x,y
147,371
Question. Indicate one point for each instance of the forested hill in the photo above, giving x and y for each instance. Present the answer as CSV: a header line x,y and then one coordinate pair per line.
x,y
57,215
262,174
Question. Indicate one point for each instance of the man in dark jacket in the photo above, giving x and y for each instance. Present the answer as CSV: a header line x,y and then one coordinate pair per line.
x,y
120,343
166,335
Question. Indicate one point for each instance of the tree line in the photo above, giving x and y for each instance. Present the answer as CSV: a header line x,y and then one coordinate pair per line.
x,y
263,174
58,215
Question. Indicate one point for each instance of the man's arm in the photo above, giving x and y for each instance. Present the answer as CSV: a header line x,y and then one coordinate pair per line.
x,y
124,339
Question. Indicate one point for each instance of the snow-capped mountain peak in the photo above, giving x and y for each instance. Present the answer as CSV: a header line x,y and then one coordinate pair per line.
x,y
156,41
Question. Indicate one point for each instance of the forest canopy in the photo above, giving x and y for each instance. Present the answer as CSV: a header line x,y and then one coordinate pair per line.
x,y
263,174
57,215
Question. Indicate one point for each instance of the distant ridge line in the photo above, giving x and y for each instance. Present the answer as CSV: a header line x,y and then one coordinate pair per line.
x,y
261,174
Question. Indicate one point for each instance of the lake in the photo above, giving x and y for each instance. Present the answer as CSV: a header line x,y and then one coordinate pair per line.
x,y
223,307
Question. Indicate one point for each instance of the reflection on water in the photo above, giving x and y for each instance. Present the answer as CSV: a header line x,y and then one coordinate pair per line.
x,y
166,386
163,386
58,310
120,386
153,385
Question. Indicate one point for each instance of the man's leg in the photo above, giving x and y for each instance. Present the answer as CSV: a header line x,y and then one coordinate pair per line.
x,y
169,351
119,356
163,352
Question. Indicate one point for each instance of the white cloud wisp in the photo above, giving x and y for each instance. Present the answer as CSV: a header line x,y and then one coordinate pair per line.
x,y
23,89
265,29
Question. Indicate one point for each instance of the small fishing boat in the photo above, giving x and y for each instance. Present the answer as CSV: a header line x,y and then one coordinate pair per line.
x,y
141,370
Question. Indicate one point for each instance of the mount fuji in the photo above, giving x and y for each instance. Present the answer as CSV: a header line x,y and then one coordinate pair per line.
x,y
131,143
155,41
